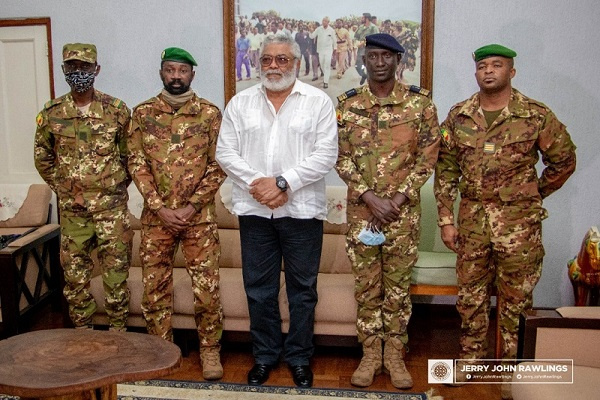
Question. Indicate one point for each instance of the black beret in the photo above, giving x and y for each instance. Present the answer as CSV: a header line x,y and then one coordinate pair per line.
x,y
384,41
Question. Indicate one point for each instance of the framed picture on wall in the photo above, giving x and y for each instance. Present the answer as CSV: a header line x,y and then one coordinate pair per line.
x,y
246,22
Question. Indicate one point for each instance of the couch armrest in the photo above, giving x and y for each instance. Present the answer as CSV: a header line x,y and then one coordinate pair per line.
x,y
546,334
35,209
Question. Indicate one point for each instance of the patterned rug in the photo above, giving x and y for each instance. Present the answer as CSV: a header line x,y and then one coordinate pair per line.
x,y
184,390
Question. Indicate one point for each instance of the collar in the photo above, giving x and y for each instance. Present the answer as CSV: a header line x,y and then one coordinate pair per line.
x,y
191,107
299,87
72,111
396,96
518,105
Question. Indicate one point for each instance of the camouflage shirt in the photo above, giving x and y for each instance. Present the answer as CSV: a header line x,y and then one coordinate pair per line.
x,y
83,157
172,156
498,163
386,145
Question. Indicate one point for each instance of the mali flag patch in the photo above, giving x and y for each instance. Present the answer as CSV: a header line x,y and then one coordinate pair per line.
x,y
338,114
445,137
39,119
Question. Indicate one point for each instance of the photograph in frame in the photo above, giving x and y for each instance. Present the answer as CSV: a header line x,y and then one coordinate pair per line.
x,y
410,21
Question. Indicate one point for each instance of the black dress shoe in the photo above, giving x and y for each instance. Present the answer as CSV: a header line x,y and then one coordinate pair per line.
x,y
259,374
303,376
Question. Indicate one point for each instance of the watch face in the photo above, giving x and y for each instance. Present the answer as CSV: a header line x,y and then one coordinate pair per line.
x,y
281,183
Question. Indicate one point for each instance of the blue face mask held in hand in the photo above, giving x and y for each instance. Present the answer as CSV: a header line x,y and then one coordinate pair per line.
x,y
371,236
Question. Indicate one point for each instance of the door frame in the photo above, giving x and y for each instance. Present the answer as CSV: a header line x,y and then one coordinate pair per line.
x,y
37,21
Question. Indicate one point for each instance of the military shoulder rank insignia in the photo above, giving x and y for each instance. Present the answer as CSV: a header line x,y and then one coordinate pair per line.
x,y
348,94
51,103
419,90
117,103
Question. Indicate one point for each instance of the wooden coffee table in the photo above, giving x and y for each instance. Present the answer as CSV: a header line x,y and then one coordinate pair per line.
x,y
81,364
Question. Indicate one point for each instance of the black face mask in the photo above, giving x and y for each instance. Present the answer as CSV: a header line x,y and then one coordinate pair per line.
x,y
80,81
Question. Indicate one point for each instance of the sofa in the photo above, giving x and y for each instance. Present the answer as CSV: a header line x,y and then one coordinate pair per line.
x,y
568,333
29,259
336,308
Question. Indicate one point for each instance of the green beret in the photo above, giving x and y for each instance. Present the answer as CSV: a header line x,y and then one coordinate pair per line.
x,y
80,51
179,55
493,50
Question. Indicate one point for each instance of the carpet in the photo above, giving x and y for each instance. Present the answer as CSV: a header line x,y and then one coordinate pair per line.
x,y
184,390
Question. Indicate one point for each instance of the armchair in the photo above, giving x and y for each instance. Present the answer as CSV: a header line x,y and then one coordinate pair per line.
x,y
29,262
567,333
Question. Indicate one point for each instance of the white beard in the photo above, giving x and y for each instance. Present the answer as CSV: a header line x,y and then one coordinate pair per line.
x,y
282,84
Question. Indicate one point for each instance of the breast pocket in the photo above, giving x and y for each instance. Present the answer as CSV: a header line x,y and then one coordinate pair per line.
x,y
301,123
195,142
155,147
466,145
518,151
404,133
303,133
104,140
250,122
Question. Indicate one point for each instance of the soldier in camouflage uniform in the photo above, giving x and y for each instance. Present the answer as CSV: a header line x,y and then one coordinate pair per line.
x,y
80,151
172,141
388,145
364,30
491,146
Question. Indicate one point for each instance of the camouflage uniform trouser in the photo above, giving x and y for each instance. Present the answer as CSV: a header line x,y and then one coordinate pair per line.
x,y
382,281
201,251
513,262
110,233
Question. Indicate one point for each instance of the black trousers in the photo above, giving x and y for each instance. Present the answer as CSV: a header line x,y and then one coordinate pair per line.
x,y
265,242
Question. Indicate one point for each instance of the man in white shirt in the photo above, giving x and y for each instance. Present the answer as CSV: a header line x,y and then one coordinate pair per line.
x,y
326,44
255,43
278,140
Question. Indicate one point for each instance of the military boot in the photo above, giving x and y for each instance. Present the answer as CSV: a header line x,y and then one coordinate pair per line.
x,y
393,364
211,362
370,364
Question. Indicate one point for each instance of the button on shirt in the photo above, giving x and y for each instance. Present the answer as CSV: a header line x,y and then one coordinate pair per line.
x,y
299,142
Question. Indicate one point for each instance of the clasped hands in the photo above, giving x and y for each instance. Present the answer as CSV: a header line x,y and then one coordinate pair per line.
x,y
265,191
383,210
176,220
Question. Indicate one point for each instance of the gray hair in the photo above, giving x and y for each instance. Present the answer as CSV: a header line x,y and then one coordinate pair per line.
x,y
282,39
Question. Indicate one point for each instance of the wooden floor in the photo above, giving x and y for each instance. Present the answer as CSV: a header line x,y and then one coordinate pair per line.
x,y
433,333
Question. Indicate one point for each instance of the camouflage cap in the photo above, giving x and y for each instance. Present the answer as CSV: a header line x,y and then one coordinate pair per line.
x,y
80,51
177,54
491,50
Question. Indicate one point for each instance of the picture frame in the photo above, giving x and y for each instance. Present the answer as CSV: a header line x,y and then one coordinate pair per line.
x,y
421,60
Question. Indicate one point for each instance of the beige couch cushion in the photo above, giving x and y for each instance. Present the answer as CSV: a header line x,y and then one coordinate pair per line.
x,y
34,211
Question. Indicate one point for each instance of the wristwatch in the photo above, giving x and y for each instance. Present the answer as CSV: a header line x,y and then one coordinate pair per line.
x,y
281,183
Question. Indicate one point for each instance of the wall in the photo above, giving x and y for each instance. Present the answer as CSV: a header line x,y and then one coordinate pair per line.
x,y
557,62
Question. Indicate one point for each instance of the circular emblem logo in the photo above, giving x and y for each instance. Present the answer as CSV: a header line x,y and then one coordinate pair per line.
x,y
440,371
